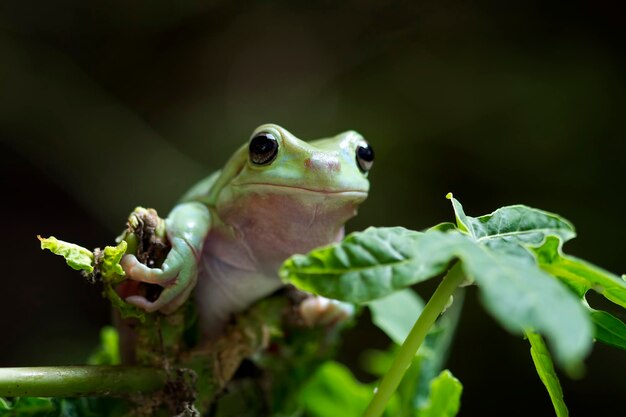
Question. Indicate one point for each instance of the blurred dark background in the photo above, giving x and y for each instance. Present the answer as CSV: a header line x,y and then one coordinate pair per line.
x,y
108,105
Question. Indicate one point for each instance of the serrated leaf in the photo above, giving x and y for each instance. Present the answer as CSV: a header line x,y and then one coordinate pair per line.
x,y
578,274
445,397
396,314
517,224
376,262
365,266
609,329
76,257
547,374
110,267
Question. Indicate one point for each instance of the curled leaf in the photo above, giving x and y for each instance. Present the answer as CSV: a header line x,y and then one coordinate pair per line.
x,y
77,257
110,267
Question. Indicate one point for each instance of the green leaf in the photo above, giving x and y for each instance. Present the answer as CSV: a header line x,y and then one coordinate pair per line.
x,y
609,329
377,362
108,353
126,310
513,224
112,274
110,267
76,256
522,296
547,374
376,262
445,397
333,391
444,227
579,274
28,407
364,266
395,314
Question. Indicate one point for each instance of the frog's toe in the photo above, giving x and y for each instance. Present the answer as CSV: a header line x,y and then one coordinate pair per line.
x,y
322,311
137,271
142,303
169,300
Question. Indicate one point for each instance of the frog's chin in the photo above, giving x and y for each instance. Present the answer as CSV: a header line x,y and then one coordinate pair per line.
x,y
300,189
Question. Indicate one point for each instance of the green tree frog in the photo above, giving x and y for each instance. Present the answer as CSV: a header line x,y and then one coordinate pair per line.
x,y
275,197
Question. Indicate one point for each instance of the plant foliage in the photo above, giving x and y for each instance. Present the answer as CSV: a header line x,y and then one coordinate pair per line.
x,y
514,256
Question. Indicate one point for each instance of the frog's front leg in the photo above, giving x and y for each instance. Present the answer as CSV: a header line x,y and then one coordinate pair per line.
x,y
187,227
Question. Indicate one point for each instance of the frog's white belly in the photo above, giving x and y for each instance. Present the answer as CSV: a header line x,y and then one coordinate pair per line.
x,y
224,289
248,243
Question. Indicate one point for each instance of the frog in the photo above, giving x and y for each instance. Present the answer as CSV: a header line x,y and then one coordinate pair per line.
x,y
229,234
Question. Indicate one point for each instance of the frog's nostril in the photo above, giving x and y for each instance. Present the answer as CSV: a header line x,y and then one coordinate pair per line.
x,y
322,163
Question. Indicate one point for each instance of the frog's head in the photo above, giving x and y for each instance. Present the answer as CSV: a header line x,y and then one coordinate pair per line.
x,y
279,181
276,159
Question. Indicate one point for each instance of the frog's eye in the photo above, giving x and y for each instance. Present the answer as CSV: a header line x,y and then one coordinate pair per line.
x,y
263,148
364,157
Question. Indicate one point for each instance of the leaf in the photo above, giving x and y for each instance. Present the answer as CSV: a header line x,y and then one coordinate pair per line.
x,y
609,329
396,314
125,309
377,362
374,263
445,397
516,224
522,296
444,227
547,374
76,256
110,267
28,407
333,391
364,266
579,274
112,274
108,353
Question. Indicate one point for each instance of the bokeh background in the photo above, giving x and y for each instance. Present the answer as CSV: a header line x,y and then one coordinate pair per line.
x,y
112,104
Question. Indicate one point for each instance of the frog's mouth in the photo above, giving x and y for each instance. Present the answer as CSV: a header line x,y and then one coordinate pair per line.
x,y
283,188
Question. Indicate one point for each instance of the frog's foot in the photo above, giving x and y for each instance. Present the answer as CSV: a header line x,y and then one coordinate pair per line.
x,y
137,271
169,300
177,285
322,311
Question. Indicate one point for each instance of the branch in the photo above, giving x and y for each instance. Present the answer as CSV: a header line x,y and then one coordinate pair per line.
x,y
75,381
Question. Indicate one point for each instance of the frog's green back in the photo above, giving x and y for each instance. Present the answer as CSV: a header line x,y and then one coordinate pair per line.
x,y
202,190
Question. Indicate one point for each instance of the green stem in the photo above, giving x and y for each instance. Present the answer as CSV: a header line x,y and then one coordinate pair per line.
x,y
78,381
406,354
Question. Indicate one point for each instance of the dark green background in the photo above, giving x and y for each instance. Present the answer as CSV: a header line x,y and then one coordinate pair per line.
x,y
112,104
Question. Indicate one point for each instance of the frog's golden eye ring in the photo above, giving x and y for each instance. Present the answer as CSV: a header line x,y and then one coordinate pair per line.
x,y
263,148
364,157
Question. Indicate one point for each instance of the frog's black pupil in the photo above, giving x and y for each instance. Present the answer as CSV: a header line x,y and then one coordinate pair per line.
x,y
366,153
365,157
263,148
